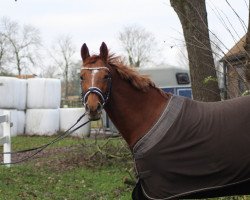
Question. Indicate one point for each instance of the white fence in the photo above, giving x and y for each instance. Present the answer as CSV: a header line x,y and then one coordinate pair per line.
x,y
5,140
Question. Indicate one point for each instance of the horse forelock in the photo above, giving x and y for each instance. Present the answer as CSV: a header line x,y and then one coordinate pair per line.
x,y
92,59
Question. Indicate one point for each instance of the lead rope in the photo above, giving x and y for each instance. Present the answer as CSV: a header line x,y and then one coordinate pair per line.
x,y
41,148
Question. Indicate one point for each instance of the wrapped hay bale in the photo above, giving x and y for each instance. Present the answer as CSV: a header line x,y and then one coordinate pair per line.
x,y
1,127
68,116
8,92
13,119
13,93
21,94
20,122
43,93
42,121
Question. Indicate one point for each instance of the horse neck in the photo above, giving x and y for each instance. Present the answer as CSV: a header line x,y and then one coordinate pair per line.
x,y
133,111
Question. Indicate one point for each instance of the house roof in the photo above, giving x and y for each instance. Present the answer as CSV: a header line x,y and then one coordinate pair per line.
x,y
236,51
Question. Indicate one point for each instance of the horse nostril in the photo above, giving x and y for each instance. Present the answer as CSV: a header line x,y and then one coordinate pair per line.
x,y
99,107
87,107
90,108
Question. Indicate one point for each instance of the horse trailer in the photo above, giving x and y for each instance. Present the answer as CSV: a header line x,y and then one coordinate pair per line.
x,y
174,80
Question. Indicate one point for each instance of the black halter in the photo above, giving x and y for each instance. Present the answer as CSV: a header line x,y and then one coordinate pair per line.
x,y
103,96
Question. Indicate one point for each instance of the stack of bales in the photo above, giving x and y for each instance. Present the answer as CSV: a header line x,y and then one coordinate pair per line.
x,y
43,114
43,103
13,98
34,105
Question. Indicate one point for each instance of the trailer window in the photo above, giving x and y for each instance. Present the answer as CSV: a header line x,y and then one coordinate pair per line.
x,y
182,78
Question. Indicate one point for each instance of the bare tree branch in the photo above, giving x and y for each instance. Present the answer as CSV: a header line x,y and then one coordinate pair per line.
x,y
23,43
63,57
138,44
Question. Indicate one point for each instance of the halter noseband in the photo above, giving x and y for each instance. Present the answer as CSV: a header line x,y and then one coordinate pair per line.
x,y
104,96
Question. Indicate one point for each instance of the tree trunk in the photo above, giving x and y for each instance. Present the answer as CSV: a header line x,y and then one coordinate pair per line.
x,y
66,81
18,63
193,17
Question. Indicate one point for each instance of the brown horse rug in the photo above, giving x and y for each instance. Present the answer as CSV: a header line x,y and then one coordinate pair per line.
x,y
195,150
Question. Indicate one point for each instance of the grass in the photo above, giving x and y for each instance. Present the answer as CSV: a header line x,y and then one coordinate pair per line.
x,y
72,169
25,183
80,169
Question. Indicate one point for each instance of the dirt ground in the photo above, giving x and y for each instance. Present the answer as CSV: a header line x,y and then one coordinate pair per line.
x,y
77,155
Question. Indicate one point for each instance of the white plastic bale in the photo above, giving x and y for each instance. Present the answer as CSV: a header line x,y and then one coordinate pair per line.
x,y
43,93
68,116
52,93
1,128
20,122
21,94
8,92
42,121
13,120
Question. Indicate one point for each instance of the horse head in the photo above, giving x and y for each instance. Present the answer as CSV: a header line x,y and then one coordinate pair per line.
x,y
95,81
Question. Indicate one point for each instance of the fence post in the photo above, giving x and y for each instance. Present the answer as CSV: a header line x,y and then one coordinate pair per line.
x,y
7,138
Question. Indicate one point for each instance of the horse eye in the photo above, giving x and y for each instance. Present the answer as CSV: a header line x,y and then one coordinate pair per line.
x,y
106,77
81,78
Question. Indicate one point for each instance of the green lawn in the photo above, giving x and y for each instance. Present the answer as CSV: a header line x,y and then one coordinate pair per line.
x,y
27,182
72,169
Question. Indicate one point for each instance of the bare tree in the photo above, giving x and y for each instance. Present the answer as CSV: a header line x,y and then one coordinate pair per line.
x,y
4,53
193,17
75,86
138,44
63,52
50,71
23,43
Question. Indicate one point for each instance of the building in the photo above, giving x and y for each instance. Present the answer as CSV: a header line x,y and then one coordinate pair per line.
x,y
235,83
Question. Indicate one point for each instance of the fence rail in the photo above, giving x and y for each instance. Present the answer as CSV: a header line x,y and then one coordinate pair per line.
x,y
5,140
76,103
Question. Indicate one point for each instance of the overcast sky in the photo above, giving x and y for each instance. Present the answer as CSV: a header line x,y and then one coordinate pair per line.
x,y
94,21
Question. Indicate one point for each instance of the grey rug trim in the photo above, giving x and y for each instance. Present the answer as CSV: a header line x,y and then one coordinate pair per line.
x,y
160,128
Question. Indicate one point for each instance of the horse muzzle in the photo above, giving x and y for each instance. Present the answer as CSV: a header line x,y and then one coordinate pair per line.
x,y
94,112
91,101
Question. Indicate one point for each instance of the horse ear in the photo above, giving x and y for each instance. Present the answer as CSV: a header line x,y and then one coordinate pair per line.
x,y
104,52
84,52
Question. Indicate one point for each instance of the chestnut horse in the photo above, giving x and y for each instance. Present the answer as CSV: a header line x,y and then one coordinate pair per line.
x,y
177,143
